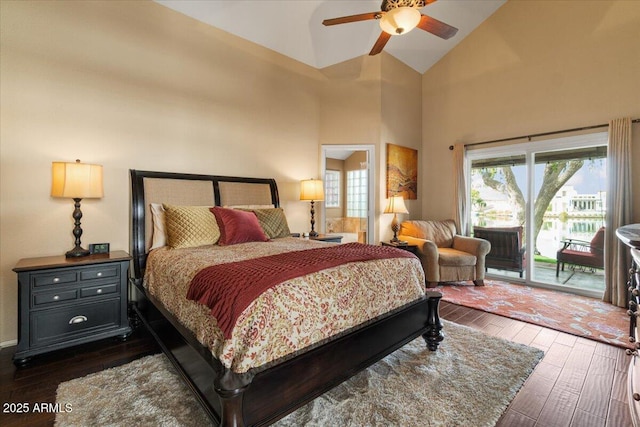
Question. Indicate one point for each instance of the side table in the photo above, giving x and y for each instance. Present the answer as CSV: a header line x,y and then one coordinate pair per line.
x,y
411,248
69,301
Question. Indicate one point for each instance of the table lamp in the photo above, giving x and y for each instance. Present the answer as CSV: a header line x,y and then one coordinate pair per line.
x,y
76,181
395,206
313,190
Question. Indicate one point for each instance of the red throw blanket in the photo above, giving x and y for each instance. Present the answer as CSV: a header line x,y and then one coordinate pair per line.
x,y
229,288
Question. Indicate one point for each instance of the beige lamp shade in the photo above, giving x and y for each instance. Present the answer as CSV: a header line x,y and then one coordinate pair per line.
x,y
396,206
76,180
400,20
311,189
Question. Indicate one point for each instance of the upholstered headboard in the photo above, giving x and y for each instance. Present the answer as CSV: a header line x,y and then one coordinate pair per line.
x,y
187,189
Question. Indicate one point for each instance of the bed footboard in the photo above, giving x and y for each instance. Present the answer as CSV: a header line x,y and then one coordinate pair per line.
x,y
259,398
267,396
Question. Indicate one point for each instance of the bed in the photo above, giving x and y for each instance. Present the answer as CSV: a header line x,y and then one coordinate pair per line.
x,y
232,390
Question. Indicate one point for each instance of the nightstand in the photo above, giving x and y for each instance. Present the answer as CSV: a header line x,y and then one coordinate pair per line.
x,y
64,302
327,238
411,248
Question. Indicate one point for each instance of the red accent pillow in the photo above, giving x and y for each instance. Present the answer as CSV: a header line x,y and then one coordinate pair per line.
x,y
238,226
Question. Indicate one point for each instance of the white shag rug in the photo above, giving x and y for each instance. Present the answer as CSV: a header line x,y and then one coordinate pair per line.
x,y
469,381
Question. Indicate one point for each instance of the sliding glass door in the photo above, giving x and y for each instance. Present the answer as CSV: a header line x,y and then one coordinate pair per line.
x,y
547,195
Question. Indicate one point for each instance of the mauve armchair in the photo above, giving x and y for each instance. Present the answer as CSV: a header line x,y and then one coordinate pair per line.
x,y
585,254
445,255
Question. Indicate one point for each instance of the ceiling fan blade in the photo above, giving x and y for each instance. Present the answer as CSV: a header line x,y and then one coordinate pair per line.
x,y
438,28
380,43
352,18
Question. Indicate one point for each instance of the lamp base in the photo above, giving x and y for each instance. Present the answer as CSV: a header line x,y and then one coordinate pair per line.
x,y
395,227
77,252
313,233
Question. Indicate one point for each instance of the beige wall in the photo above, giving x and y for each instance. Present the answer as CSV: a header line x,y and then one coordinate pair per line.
x,y
373,100
533,66
401,125
136,85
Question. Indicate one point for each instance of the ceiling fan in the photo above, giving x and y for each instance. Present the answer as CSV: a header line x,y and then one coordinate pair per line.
x,y
399,17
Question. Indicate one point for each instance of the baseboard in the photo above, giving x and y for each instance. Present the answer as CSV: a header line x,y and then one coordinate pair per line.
x,y
10,343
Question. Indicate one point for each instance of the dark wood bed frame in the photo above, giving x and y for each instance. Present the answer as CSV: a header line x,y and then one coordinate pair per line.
x,y
263,395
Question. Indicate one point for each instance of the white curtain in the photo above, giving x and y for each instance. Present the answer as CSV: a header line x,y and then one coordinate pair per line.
x,y
460,189
618,211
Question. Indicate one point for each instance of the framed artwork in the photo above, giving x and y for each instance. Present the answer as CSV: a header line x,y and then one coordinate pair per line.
x,y
402,172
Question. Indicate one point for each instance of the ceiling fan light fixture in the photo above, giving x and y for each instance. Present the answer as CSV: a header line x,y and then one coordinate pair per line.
x,y
400,20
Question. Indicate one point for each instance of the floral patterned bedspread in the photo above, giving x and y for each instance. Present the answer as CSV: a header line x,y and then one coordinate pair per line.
x,y
290,316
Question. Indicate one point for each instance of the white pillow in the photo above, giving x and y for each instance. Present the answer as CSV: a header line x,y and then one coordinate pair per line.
x,y
159,236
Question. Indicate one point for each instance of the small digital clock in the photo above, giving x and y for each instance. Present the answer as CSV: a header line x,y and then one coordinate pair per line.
x,y
99,248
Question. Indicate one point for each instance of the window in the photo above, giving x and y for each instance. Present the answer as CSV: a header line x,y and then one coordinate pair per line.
x,y
556,190
357,201
332,189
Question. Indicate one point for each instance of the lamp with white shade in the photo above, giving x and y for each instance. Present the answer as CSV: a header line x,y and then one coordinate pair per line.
x,y
396,206
312,190
76,181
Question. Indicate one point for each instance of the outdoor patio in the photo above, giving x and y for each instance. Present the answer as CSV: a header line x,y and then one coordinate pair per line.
x,y
545,272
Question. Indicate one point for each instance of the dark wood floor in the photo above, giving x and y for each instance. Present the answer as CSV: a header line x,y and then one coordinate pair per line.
x,y
38,382
579,383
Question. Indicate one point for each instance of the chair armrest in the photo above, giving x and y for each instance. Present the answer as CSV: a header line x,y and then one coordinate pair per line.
x,y
472,245
426,248
576,245
575,241
428,254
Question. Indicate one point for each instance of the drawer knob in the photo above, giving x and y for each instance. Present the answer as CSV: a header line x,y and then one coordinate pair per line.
x,y
636,397
56,297
77,319
56,279
99,291
99,274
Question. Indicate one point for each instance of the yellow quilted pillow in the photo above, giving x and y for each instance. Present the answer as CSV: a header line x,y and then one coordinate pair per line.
x,y
190,226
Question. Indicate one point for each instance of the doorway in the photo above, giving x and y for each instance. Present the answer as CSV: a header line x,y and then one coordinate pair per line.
x,y
349,192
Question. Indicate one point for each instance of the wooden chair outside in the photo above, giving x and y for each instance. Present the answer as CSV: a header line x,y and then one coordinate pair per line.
x,y
507,252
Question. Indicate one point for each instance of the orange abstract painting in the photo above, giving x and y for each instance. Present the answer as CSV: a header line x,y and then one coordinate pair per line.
x,y
402,172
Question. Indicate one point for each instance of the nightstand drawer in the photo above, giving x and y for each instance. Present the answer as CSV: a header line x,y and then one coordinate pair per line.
x,y
54,297
99,290
50,326
99,273
54,278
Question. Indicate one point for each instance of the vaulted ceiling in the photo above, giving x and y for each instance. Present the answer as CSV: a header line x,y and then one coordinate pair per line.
x,y
294,27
